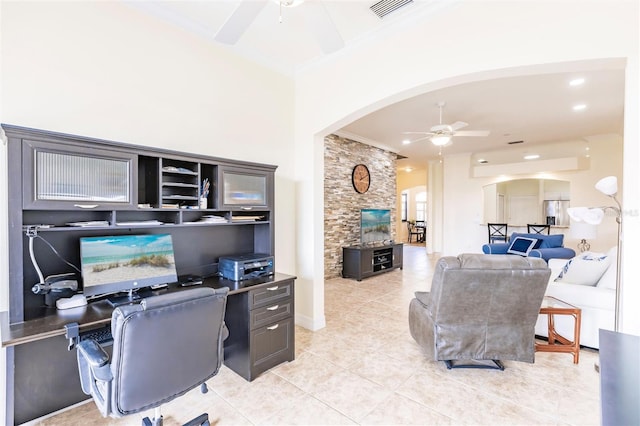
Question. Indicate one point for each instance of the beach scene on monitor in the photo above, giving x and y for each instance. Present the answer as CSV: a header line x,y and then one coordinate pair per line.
x,y
375,225
127,257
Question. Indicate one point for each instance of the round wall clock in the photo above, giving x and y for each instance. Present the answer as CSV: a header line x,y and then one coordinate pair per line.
x,y
361,178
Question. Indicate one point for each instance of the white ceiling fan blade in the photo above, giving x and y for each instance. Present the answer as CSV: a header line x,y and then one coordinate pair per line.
x,y
322,26
421,139
459,125
472,133
239,21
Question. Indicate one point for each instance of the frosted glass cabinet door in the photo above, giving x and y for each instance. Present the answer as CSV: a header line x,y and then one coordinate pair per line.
x,y
245,188
83,179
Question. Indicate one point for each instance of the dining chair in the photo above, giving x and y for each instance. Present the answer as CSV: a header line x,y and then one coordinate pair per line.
x,y
538,229
497,232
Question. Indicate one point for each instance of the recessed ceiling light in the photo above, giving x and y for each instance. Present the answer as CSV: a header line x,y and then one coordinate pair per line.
x,y
531,157
408,169
576,82
406,142
579,107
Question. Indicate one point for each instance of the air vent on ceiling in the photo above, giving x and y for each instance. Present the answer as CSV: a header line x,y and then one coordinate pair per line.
x,y
514,142
385,7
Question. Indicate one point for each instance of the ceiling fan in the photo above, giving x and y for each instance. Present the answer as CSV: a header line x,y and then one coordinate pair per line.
x,y
441,134
316,16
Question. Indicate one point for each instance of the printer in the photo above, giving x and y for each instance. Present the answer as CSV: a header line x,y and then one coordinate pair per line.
x,y
245,266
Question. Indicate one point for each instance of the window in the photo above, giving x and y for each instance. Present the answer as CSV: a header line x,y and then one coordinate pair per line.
x,y
403,206
421,207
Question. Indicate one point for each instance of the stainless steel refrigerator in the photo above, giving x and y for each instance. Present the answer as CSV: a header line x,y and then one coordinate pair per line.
x,y
555,212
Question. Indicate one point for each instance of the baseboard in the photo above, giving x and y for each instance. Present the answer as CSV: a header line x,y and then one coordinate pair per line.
x,y
309,323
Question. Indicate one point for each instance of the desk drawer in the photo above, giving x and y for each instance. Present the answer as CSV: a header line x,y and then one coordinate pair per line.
x,y
272,313
272,345
270,294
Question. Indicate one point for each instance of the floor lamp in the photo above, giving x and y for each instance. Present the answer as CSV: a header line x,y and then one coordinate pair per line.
x,y
594,216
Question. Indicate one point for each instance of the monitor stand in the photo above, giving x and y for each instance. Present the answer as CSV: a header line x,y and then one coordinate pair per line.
x,y
124,299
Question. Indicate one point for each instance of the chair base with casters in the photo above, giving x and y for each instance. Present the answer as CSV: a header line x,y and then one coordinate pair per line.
x,y
162,348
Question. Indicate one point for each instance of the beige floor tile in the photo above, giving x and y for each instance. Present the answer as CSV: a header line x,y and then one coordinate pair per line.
x,y
309,411
383,370
399,410
308,372
352,395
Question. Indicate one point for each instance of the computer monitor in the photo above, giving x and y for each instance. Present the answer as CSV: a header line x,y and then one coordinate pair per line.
x,y
112,264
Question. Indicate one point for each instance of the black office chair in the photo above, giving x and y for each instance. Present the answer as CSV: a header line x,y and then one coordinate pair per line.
x,y
538,229
497,232
162,348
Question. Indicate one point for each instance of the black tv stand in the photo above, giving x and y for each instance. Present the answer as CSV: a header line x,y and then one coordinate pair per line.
x,y
364,261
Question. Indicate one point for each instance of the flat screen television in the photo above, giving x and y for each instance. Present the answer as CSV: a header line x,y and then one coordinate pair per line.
x,y
375,226
125,263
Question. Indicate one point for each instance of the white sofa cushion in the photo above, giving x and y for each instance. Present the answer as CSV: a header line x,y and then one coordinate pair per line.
x,y
585,269
583,296
608,279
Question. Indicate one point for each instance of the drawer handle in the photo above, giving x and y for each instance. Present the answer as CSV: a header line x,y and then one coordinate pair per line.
x,y
274,288
273,308
86,206
246,208
273,327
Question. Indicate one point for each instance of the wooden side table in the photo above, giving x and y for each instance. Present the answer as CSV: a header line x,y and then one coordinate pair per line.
x,y
557,343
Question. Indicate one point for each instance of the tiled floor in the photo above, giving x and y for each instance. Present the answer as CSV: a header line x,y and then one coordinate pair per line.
x,y
364,368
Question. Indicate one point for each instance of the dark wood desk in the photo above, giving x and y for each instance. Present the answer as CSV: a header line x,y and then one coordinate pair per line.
x,y
44,376
619,378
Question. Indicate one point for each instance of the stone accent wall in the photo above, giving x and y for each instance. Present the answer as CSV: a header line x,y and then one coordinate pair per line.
x,y
342,203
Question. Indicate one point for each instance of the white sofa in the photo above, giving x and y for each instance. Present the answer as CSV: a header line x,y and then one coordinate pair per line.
x,y
596,301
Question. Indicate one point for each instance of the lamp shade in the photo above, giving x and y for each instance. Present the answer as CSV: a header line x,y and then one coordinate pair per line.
x,y
583,231
591,216
577,213
439,140
608,185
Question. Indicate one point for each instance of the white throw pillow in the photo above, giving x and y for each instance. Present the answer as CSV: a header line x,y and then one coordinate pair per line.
x,y
584,269
608,280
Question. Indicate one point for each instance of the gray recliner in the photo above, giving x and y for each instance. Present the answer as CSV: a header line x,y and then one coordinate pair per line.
x,y
162,348
480,307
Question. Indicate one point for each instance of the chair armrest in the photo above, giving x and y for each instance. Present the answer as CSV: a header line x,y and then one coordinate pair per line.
x,y
93,364
495,248
93,353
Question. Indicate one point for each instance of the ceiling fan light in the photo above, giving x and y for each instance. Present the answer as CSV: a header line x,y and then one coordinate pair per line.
x,y
288,3
440,140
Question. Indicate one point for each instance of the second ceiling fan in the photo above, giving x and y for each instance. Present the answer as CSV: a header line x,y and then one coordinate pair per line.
x,y
442,134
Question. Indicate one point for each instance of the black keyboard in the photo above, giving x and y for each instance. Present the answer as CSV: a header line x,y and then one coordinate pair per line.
x,y
101,335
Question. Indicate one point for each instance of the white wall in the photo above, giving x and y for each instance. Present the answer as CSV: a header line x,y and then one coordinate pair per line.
x,y
473,41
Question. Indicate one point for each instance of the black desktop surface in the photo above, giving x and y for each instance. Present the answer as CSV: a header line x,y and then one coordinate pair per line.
x,y
49,322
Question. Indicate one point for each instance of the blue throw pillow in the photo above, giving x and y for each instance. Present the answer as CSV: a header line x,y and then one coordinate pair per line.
x,y
522,246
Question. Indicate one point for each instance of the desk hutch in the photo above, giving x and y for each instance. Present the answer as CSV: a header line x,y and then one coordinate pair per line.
x,y
77,187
